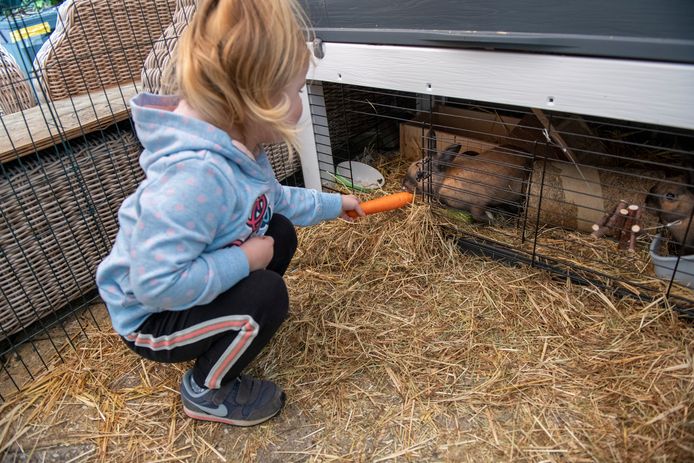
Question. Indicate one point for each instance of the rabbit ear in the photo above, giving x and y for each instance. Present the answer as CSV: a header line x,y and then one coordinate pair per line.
x,y
454,148
445,159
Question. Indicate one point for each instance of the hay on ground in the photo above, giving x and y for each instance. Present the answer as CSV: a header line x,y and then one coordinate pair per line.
x,y
397,349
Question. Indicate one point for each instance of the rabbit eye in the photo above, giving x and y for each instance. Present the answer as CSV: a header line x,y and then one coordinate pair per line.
x,y
670,196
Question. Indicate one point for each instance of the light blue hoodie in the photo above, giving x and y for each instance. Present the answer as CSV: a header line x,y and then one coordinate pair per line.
x,y
177,246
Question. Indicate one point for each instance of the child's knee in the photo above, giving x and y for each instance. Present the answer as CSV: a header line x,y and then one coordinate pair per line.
x,y
283,229
272,294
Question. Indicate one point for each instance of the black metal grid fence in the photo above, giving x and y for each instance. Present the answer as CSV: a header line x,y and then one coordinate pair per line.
x,y
603,202
69,157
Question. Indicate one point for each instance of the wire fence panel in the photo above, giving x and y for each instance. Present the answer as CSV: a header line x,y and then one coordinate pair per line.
x,y
603,202
69,157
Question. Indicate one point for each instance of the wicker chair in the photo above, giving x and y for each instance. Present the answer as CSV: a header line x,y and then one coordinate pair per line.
x,y
99,43
59,220
159,72
15,92
60,205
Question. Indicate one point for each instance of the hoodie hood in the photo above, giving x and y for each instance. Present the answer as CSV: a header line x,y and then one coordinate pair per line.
x,y
166,136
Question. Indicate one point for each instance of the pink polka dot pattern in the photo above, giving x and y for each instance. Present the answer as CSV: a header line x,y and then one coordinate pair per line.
x,y
202,199
179,207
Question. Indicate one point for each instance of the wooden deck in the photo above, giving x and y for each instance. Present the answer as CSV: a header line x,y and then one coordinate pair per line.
x,y
43,126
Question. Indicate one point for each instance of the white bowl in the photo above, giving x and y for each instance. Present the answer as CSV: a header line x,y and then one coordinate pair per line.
x,y
665,265
365,177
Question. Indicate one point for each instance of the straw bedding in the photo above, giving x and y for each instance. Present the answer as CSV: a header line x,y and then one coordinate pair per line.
x,y
397,349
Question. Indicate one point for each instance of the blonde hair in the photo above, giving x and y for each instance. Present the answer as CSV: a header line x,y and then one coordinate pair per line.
x,y
237,56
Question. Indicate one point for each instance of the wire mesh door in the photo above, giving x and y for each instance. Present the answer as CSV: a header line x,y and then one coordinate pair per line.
x,y
603,202
69,157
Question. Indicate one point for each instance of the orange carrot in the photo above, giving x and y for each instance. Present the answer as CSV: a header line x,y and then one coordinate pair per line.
x,y
385,203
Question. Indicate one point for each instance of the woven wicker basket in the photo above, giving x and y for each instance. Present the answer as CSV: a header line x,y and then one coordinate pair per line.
x,y
58,223
99,43
282,165
158,72
15,92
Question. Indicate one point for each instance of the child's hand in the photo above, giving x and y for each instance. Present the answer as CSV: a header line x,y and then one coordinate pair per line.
x,y
259,251
350,203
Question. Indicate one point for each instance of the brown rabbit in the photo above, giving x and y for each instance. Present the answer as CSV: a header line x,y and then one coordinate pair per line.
x,y
673,202
472,181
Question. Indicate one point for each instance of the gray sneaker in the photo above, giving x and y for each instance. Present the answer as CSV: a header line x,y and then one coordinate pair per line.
x,y
242,402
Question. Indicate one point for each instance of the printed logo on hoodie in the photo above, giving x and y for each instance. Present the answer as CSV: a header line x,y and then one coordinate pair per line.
x,y
259,218
260,215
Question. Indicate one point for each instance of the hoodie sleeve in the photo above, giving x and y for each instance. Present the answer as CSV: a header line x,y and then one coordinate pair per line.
x,y
306,207
179,215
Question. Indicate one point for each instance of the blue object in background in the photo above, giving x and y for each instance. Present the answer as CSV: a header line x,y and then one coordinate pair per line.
x,y
23,34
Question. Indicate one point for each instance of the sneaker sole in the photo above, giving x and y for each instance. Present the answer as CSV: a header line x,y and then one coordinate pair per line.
x,y
242,423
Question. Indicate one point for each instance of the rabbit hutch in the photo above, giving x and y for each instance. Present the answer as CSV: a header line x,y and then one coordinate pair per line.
x,y
563,142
